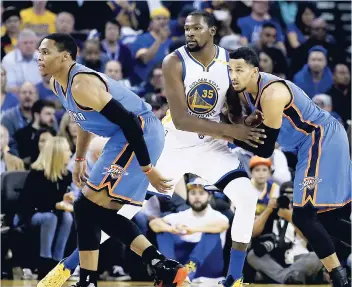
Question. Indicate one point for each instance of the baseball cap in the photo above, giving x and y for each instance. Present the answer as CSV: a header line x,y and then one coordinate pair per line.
x,y
256,160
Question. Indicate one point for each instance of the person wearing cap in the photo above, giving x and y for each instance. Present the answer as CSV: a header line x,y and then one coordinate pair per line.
x,y
195,236
324,102
261,173
12,22
151,47
315,77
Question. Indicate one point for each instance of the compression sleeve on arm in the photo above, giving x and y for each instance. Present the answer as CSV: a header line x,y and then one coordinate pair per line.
x,y
263,150
131,127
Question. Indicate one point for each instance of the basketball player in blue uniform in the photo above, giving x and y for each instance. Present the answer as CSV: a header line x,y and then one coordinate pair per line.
x,y
101,106
323,172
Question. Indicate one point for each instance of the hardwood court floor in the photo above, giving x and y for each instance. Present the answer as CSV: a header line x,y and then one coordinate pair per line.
x,y
10,283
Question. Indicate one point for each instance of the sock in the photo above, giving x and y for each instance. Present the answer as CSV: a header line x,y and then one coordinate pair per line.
x,y
72,261
87,277
152,255
237,258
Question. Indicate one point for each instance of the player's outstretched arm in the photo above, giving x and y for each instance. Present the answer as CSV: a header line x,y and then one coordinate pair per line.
x,y
175,93
273,102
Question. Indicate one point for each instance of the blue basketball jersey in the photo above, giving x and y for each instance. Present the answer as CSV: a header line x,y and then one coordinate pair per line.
x,y
300,118
265,196
90,120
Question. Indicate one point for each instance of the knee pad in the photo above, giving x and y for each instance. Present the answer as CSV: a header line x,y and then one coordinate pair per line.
x,y
244,196
87,226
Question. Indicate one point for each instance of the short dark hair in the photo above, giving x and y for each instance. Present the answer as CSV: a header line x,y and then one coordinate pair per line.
x,y
39,105
247,54
269,25
64,42
208,17
114,22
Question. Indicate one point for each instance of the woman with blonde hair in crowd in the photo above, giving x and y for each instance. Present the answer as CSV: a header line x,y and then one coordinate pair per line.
x,y
43,201
68,130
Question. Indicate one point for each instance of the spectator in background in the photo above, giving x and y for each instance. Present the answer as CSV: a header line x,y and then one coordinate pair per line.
x,y
21,115
319,31
65,23
158,103
151,47
8,161
267,38
21,64
340,92
315,77
8,100
43,115
40,138
154,83
42,202
230,42
125,13
111,46
324,102
44,90
251,25
12,22
92,57
113,69
299,32
195,236
272,61
39,19
68,130
177,31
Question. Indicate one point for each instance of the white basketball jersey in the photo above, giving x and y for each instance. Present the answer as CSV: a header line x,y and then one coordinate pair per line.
x,y
205,92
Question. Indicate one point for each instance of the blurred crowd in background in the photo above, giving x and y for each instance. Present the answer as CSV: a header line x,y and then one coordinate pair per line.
x,y
308,43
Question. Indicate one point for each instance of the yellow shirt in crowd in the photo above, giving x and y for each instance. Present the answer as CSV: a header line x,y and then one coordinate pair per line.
x,y
41,24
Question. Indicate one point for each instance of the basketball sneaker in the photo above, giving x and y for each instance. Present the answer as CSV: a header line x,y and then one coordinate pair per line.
x,y
56,277
230,282
167,273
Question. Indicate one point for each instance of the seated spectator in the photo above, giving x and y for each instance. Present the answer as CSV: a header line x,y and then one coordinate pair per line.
x,y
154,83
21,64
21,115
272,61
44,90
324,102
194,237
12,22
277,250
177,30
65,23
315,77
113,69
111,46
340,92
124,13
39,19
230,42
299,31
92,57
43,115
8,161
42,202
8,100
267,38
68,130
251,25
40,138
151,47
158,103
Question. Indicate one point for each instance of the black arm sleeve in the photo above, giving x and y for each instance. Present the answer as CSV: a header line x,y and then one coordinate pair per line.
x,y
263,150
131,127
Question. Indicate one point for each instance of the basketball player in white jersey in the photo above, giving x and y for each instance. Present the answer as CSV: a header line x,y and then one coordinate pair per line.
x,y
197,85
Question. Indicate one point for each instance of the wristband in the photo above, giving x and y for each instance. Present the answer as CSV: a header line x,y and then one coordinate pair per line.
x,y
80,159
148,171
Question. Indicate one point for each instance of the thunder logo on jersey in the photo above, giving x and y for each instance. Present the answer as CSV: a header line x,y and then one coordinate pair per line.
x,y
202,98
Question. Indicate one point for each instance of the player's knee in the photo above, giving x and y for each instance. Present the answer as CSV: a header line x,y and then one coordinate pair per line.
x,y
242,193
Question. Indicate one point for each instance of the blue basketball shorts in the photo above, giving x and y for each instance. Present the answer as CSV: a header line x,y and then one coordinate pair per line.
x,y
117,169
324,170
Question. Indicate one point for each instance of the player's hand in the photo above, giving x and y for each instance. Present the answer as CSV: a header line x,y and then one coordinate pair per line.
x,y
249,135
79,174
254,119
158,181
